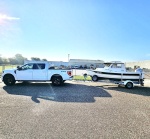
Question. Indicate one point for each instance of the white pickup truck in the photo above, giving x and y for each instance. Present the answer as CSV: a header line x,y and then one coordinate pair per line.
x,y
35,72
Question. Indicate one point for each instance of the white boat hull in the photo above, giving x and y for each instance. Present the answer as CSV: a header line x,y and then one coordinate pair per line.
x,y
116,76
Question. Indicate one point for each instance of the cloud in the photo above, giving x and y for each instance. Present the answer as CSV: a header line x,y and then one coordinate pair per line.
x,y
9,28
9,18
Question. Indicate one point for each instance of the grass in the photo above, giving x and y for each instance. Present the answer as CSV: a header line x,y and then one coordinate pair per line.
x,y
78,77
7,67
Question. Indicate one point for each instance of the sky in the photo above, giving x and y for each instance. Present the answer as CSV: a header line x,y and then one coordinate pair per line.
x,y
109,30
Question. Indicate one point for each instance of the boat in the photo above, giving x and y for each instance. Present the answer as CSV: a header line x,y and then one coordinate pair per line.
x,y
116,71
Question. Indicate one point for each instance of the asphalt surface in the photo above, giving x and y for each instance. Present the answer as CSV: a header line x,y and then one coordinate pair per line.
x,y
83,110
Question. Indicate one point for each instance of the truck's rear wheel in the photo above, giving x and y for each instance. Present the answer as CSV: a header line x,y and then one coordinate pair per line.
x,y
57,80
9,80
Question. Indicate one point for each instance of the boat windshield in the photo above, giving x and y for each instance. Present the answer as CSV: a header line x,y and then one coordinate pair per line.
x,y
107,65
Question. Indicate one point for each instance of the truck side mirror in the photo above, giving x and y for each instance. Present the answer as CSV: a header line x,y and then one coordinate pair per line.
x,y
19,68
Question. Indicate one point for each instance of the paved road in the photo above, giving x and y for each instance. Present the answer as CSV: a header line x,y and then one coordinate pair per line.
x,y
83,110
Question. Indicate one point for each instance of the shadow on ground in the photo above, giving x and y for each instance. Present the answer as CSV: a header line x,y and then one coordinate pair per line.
x,y
66,93
139,90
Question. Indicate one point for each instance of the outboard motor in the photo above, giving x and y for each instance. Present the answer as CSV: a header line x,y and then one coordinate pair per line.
x,y
140,71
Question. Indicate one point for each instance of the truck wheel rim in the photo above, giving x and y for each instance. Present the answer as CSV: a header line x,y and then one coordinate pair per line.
x,y
9,80
57,81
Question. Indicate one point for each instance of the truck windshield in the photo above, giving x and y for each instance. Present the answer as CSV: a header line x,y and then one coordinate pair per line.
x,y
27,66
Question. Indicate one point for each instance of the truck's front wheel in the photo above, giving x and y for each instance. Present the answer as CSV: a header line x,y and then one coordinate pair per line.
x,y
57,81
9,80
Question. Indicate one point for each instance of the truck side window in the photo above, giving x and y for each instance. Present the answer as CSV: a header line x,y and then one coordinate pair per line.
x,y
39,66
35,66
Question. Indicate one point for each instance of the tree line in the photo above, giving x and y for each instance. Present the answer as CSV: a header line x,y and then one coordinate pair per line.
x,y
18,59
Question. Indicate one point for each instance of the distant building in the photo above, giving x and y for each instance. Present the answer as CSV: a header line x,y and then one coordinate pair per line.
x,y
73,63
143,64
86,63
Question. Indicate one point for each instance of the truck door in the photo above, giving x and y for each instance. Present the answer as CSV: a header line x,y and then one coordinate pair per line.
x,y
39,71
25,72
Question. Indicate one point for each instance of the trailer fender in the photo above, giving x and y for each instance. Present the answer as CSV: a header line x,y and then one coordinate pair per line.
x,y
125,82
128,84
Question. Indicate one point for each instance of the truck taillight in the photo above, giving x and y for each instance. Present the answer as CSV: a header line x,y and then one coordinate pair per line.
x,y
69,73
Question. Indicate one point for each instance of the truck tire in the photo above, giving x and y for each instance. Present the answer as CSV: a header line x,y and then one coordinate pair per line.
x,y
94,78
9,80
129,85
57,81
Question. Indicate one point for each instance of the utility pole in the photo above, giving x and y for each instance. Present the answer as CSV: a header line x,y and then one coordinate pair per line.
x,y
68,57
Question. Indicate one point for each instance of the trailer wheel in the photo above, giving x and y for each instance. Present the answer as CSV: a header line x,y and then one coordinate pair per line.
x,y
129,85
9,80
94,78
57,81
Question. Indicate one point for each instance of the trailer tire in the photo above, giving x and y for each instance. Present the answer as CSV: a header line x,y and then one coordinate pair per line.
x,y
9,80
94,78
129,85
57,80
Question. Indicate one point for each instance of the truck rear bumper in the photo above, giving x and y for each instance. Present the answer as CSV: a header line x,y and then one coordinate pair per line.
x,y
70,78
